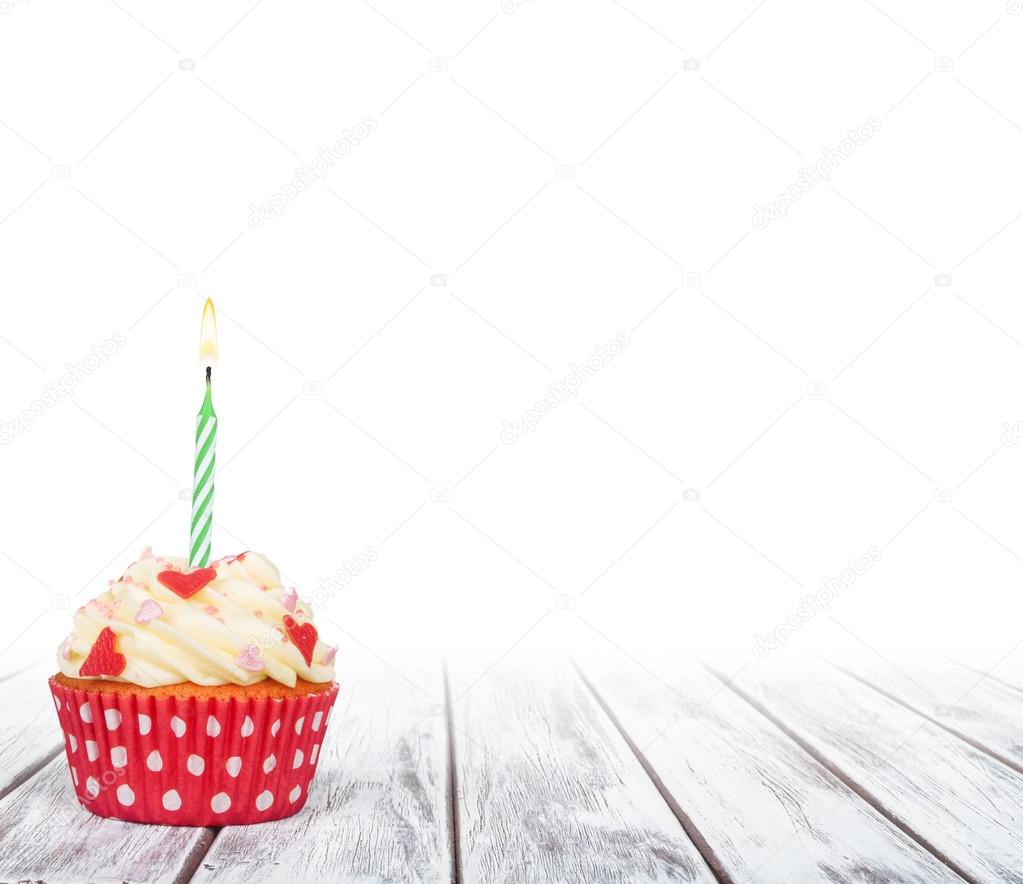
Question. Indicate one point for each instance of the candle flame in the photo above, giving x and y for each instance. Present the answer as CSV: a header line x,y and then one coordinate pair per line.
x,y
208,335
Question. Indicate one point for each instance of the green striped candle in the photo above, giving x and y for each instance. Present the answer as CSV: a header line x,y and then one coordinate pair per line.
x,y
205,451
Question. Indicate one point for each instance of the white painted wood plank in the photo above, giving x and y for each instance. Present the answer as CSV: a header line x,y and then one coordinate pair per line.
x,y
548,791
767,811
29,733
966,805
46,835
977,707
378,808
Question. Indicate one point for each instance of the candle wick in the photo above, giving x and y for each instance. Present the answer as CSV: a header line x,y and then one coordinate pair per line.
x,y
209,373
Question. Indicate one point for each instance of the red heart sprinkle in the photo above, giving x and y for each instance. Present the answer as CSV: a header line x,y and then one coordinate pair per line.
x,y
103,658
187,584
304,636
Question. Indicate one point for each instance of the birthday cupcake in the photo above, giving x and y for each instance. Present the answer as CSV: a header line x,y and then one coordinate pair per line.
x,y
196,698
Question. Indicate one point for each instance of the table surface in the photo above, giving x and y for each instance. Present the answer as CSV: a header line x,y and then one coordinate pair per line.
x,y
586,771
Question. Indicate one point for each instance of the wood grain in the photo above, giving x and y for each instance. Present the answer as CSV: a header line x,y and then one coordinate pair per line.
x,y
767,811
963,803
29,733
548,791
46,835
977,707
378,809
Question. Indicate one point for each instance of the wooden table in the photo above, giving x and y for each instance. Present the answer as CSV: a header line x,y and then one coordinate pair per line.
x,y
599,771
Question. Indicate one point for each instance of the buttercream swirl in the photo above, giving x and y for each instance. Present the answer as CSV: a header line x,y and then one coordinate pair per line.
x,y
232,631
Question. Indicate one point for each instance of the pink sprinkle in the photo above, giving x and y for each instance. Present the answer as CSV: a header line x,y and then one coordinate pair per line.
x,y
150,609
290,599
147,553
211,610
328,657
250,659
258,613
65,647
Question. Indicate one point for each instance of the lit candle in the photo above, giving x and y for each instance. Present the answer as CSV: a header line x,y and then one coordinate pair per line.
x,y
205,449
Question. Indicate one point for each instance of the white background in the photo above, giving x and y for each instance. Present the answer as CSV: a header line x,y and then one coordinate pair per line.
x,y
838,381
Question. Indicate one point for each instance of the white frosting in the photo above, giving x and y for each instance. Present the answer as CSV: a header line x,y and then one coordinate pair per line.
x,y
217,636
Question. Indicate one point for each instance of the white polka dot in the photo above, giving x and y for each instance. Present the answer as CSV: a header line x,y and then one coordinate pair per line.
x,y
74,775
92,786
195,764
269,763
145,724
264,799
171,800
275,727
233,765
247,726
113,719
118,756
317,718
177,725
299,757
73,740
220,802
57,701
85,710
294,793
314,753
298,725
154,760
212,726
125,795
91,749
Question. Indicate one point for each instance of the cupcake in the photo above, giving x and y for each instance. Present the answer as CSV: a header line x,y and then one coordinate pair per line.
x,y
196,698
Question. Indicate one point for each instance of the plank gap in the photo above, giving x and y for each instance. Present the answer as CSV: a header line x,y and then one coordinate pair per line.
x,y
966,738
835,770
194,857
701,844
454,834
26,773
981,672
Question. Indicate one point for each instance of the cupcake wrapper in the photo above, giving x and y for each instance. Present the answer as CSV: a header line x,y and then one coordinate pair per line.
x,y
191,762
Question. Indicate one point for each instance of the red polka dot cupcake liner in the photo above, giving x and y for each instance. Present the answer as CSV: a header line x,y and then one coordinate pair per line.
x,y
187,761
